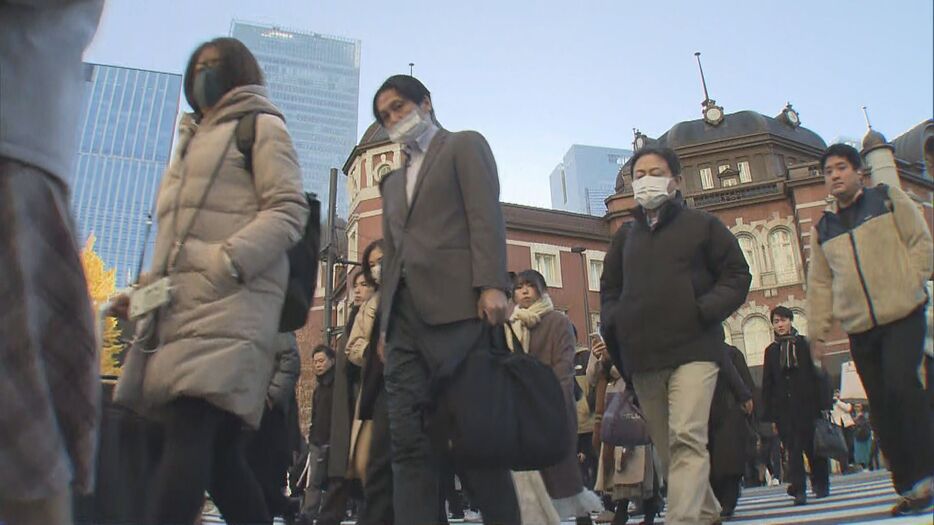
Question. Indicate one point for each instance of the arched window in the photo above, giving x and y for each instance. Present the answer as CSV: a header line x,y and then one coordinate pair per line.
x,y
782,250
757,335
801,322
727,334
748,244
382,170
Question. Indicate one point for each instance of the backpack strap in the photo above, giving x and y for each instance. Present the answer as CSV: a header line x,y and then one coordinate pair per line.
x,y
245,134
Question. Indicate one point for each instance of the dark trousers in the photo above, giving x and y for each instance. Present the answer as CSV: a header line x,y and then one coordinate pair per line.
x,y
799,442
269,457
848,434
726,489
415,461
589,465
888,359
377,491
450,498
334,502
204,450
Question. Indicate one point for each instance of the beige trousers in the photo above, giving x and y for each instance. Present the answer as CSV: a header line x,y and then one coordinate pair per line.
x,y
676,404
54,510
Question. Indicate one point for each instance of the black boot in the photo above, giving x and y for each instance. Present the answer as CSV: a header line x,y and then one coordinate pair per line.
x,y
622,513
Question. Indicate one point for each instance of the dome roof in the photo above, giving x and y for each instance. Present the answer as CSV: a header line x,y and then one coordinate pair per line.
x,y
374,134
913,145
735,125
873,139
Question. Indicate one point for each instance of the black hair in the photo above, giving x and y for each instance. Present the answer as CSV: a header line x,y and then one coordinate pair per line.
x,y
668,154
365,262
844,151
408,87
238,67
356,274
782,311
533,278
326,350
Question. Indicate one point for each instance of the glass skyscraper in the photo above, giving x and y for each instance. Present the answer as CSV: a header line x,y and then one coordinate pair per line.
x,y
125,140
314,80
585,178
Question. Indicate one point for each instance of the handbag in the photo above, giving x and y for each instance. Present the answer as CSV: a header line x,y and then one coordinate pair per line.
x,y
623,422
829,441
502,409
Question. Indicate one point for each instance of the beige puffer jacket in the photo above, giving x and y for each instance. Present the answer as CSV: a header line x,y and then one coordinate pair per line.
x,y
217,336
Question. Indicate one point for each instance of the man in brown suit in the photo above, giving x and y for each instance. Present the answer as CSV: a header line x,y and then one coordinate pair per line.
x,y
444,274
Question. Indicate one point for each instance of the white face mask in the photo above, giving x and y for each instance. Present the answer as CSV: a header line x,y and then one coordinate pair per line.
x,y
651,191
407,130
376,271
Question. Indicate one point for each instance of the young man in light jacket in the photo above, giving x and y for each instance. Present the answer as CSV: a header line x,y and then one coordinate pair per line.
x,y
871,256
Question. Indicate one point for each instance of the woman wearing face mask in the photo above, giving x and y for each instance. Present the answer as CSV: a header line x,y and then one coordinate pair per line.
x,y
331,508
222,240
370,458
548,335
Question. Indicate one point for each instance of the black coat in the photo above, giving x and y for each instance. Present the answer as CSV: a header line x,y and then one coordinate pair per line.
x,y
346,378
321,403
731,434
793,398
372,376
666,290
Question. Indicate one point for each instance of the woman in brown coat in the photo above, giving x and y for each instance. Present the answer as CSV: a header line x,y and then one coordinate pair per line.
x,y
223,235
548,335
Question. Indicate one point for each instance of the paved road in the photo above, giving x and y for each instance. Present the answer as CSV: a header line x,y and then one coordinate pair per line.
x,y
856,498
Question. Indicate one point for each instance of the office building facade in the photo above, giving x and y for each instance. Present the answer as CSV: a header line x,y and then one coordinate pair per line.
x,y
125,141
586,177
314,80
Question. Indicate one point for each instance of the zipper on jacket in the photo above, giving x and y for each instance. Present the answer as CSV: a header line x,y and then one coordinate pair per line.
x,y
862,280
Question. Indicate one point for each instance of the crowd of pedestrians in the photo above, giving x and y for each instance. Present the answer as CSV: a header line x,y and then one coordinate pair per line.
x,y
210,366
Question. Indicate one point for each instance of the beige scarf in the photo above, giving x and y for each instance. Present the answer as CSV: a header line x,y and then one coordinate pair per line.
x,y
523,320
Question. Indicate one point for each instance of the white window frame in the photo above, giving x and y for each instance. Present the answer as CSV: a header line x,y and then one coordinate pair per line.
x,y
723,167
786,277
547,249
593,256
353,241
745,171
706,178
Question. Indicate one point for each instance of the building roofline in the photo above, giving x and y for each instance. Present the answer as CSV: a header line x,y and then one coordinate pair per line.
x,y
134,69
303,32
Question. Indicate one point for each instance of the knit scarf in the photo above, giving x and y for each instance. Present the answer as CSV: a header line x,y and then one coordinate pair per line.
x,y
786,345
523,320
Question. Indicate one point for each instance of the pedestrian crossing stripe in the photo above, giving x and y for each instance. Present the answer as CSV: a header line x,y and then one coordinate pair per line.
x,y
863,498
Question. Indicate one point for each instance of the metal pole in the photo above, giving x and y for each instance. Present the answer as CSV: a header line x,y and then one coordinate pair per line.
x,y
703,80
329,273
586,300
581,251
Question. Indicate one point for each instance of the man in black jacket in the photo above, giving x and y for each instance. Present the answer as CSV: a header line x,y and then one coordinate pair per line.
x,y
793,395
671,277
322,359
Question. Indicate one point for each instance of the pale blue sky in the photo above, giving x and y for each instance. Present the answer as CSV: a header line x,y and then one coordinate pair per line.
x,y
536,77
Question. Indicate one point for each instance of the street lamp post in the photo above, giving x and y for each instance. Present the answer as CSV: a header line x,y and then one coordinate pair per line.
x,y
580,250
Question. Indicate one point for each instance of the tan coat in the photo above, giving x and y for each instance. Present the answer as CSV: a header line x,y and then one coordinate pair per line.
x,y
217,335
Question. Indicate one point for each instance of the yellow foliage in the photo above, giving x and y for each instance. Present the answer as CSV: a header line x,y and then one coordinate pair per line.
x,y
102,284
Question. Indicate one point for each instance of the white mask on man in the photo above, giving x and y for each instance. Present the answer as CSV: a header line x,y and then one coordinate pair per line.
x,y
407,130
651,191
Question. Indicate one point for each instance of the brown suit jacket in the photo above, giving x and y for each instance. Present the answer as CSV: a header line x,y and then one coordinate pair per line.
x,y
450,243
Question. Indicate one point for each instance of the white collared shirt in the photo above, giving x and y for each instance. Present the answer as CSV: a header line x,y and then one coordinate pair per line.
x,y
416,152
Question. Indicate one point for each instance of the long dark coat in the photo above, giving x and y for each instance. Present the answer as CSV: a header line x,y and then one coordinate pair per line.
x,y
793,399
346,374
552,342
730,432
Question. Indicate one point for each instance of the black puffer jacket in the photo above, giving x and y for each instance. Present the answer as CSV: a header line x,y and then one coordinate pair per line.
x,y
666,289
